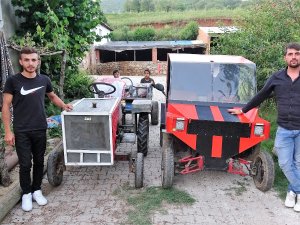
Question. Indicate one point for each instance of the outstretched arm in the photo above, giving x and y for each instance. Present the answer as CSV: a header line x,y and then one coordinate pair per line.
x,y
58,102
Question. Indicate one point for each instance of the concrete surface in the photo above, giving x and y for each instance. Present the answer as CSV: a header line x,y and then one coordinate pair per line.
x,y
86,196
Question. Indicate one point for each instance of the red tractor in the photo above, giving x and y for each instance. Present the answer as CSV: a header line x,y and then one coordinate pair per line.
x,y
198,133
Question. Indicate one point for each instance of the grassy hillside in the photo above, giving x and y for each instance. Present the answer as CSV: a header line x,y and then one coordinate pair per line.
x,y
120,20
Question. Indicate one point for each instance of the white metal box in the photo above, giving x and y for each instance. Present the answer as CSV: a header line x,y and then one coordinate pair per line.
x,y
89,131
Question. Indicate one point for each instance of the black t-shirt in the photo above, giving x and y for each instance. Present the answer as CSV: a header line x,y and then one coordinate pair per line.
x,y
28,101
143,80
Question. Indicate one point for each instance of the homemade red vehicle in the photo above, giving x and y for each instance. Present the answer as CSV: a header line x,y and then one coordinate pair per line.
x,y
198,133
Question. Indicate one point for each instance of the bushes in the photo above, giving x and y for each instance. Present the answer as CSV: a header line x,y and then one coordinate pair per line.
x,y
76,85
190,31
144,34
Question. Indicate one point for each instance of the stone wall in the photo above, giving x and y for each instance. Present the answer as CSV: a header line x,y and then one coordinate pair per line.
x,y
132,68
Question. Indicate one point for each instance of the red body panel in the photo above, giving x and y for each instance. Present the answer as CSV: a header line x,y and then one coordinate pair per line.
x,y
189,112
115,119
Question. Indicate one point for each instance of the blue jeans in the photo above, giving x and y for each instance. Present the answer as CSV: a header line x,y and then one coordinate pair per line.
x,y
287,145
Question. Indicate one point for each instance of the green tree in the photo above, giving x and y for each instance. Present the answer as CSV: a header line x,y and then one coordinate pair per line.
x,y
136,5
147,5
59,25
263,32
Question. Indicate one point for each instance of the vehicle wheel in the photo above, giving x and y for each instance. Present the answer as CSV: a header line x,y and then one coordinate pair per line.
x,y
167,165
154,113
251,154
264,172
143,133
139,170
55,167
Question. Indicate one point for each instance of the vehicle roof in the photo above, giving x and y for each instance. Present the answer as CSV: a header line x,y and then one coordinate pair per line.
x,y
197,58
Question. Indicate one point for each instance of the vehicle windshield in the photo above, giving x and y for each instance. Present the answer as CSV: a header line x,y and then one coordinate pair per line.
x,y
212,82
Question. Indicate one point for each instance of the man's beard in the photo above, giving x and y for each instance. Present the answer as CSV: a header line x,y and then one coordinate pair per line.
x,y
31,70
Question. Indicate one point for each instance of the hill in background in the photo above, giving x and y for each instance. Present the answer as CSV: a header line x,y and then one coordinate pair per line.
x,y
112,6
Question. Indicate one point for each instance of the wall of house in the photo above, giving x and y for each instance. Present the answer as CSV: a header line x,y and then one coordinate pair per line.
x,y
102,31
132,68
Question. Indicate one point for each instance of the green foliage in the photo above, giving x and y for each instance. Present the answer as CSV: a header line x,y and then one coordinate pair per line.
x,y
77,84
118,21
58,25
264,31
55,132
181,5
144,34
124,34
190,31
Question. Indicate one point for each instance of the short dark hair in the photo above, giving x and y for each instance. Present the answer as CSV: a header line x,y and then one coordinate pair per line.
x,y
28,50
147,70
115,71
292,45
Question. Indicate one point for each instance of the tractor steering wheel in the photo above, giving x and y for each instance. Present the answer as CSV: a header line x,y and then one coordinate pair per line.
x,y
93,88
127,78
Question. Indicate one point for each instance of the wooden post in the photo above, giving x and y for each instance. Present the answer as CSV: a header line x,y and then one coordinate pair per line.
x,y
62,75
4,175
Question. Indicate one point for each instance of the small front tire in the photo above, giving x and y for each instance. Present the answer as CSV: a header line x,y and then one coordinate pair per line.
x,y
264,172
139,170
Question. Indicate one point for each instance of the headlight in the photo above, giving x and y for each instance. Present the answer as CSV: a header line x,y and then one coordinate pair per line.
x,y
259,129
179,124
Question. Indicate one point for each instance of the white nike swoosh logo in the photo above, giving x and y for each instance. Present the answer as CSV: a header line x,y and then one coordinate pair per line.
x,y
26,92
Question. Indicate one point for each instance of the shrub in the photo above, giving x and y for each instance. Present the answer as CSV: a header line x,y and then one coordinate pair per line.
x,y
144,34
190,31
76,86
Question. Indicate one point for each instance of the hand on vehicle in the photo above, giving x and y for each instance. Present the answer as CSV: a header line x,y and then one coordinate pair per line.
x,y
235,111
68,107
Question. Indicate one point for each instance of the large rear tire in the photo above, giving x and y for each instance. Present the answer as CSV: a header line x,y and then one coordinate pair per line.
x,y
154,113
55,167
139,170
264,172
143,134
167,165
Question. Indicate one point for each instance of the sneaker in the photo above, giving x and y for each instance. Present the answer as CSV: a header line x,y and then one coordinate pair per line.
x,y
27,202
297,205
290,199
39,198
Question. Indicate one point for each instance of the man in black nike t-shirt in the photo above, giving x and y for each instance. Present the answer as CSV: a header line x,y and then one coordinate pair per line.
x,y
26,92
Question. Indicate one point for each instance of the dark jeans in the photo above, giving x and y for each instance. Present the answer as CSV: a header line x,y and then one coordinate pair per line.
x,y
31,145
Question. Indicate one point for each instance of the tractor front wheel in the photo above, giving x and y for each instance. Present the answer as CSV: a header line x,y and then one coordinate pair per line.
x,y
55,167
167,165
263,171
143,133
139,170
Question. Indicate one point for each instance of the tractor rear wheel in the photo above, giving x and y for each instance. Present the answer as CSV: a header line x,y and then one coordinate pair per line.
x,y
143,133
154,113
55,167
167,164
264,172
139,170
